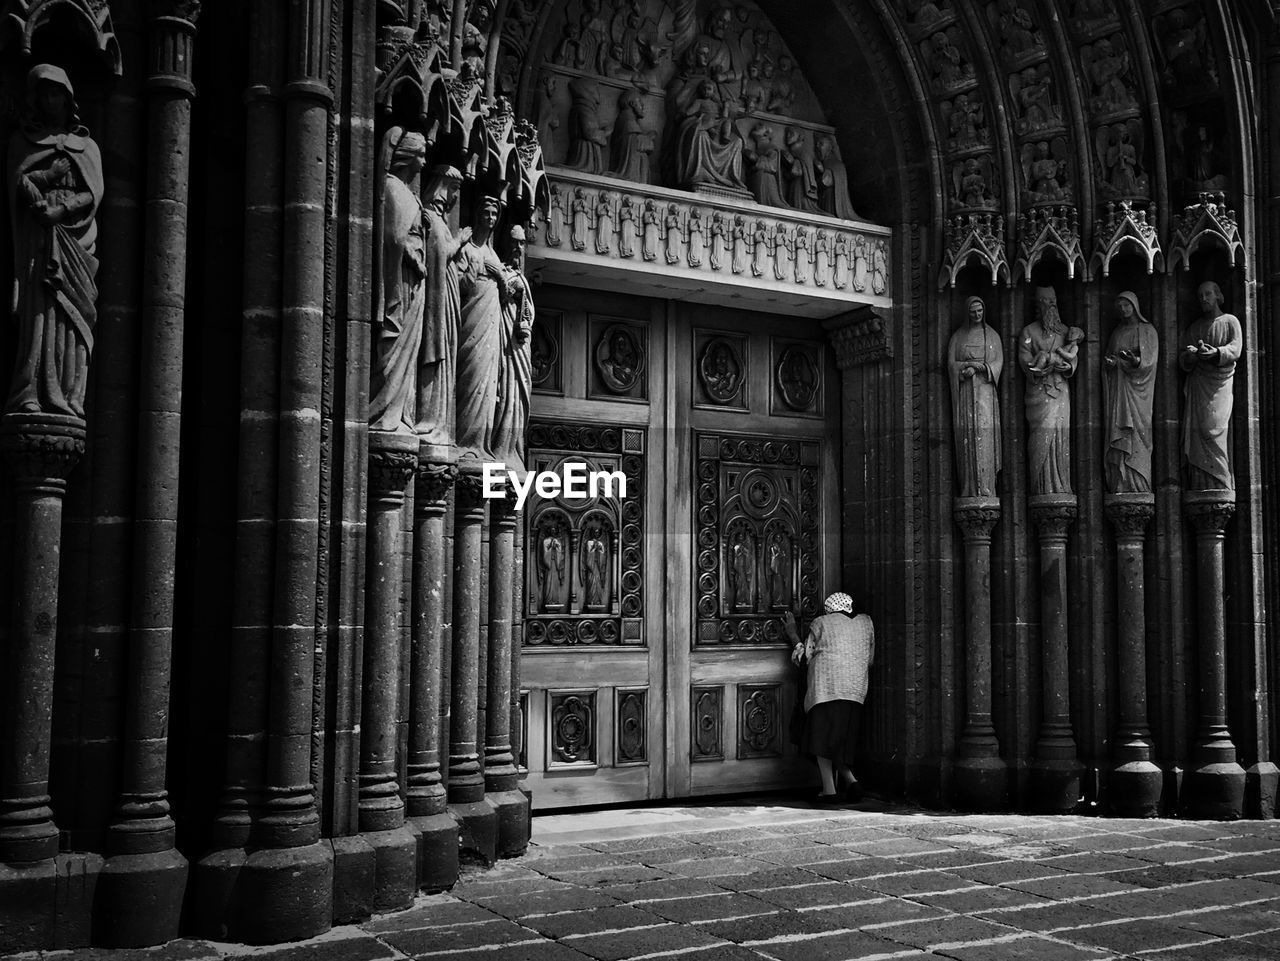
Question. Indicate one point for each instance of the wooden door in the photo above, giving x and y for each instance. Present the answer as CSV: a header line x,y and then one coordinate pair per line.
x,y
654,663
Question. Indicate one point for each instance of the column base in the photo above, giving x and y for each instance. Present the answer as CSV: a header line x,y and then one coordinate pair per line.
x,y
1134,789
1261,781
979,784
1055,785
1214,792
355,872
215,880
512,809
437,840
288,894
477,831
139,900
28,905
395,880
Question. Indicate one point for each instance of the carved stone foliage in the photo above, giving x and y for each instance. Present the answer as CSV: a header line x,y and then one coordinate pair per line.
x,y
619,355
1207,222
706,727
584,564
759,721
1052,232
544,352
632,721
731,243
1126,229
974,239
758,531
797,378
699,97
573,728
720,363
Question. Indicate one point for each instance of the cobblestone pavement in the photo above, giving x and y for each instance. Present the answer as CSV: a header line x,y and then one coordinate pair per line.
x,y
788,882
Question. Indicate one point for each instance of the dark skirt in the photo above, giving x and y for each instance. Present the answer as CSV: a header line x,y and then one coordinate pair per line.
x,y
831,730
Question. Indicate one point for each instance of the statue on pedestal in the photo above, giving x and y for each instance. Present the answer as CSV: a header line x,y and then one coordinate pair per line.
x,y
1128,388
442,310
1047,354
1212,346
55,188
515,366
975,358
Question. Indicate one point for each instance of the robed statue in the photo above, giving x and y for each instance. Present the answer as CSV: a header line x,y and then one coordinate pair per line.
x,y
975,358
442,310
515,363
1212,346
1047,353
401,288
54,176
1128,390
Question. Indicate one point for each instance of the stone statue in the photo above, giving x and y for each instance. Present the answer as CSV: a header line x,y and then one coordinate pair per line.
x,y
975,358
595,566
765,179
402,289
550,569
1213,345
1047,354
833,180
632,141
708,147
441,310
515,365
798,171
588,132
1128,389
484,284
55,188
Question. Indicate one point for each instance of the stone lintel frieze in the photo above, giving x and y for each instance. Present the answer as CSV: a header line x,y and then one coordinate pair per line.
x,y
976,239
1207,222
1049,231
1124,228
706,247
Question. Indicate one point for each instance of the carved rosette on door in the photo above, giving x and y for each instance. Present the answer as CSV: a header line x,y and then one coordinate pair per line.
x,y
759,549
585,567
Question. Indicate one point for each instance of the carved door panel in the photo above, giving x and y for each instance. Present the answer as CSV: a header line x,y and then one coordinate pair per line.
x,y
654,662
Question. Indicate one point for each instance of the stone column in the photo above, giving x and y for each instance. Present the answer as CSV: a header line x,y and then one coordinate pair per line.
x,y
519,735
467,803
1135,780
1056,770
41,449
1214,785
500,773
140,894
980,775
392,459
436,832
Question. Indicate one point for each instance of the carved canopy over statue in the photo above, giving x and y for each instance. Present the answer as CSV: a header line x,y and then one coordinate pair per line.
x,y
55,183
706,86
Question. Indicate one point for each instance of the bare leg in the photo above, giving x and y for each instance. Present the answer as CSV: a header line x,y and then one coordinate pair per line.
x,y
828,781
845,774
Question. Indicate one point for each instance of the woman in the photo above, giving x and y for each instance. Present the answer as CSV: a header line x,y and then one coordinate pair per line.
x,y
838,651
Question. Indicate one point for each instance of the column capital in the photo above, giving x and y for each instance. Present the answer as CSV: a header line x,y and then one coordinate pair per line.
x,y
392,460
1053,513
434,481
470,484
1209,511
861,337
42,449
1130,513
977,516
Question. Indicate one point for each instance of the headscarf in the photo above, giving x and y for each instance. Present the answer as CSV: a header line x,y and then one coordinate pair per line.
x,y
49,73
1132,298
409,145
969,303
838,603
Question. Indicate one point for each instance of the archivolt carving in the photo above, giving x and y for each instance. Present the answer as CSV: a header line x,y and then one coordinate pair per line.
x,y
20,20
1207,222
1053,231
1126,229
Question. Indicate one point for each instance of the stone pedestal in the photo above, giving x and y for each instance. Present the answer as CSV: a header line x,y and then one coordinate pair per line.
x,y
1056,770
425,799
476,818
393,457
980,776
41,450
1214,783
1135,782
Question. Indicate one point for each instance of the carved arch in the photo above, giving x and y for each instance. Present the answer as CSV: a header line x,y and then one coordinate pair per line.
x,y
21,20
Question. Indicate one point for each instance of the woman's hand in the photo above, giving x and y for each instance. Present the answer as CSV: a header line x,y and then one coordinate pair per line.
x,y
797,655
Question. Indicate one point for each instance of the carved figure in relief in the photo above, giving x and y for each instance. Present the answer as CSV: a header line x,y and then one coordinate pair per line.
x,y
720,370
708,147
673,234
1088,13
547,116
555,217
515,367
965,122
579,220
738,244
801,256
1128,390
1106,65
442,312
840,262
551,556
782,248
620,359
55,187
821,258
695,238
566,52
1205,160
879,267
798,379
1032,90
970,181
833,180
1212,346
650,231
760,248
627,230
1182,42
1047,354
778,560
401,290
781,91
595,565
593,39
798,170
949,66
975,360
1018,32
1045,173
719,242
754,92
632,141
485,284
860,270
588,131
764,180
923,13
604,222
1119,156
741,556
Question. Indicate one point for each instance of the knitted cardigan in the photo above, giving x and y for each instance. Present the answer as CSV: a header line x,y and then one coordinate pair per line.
x,y
840,651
